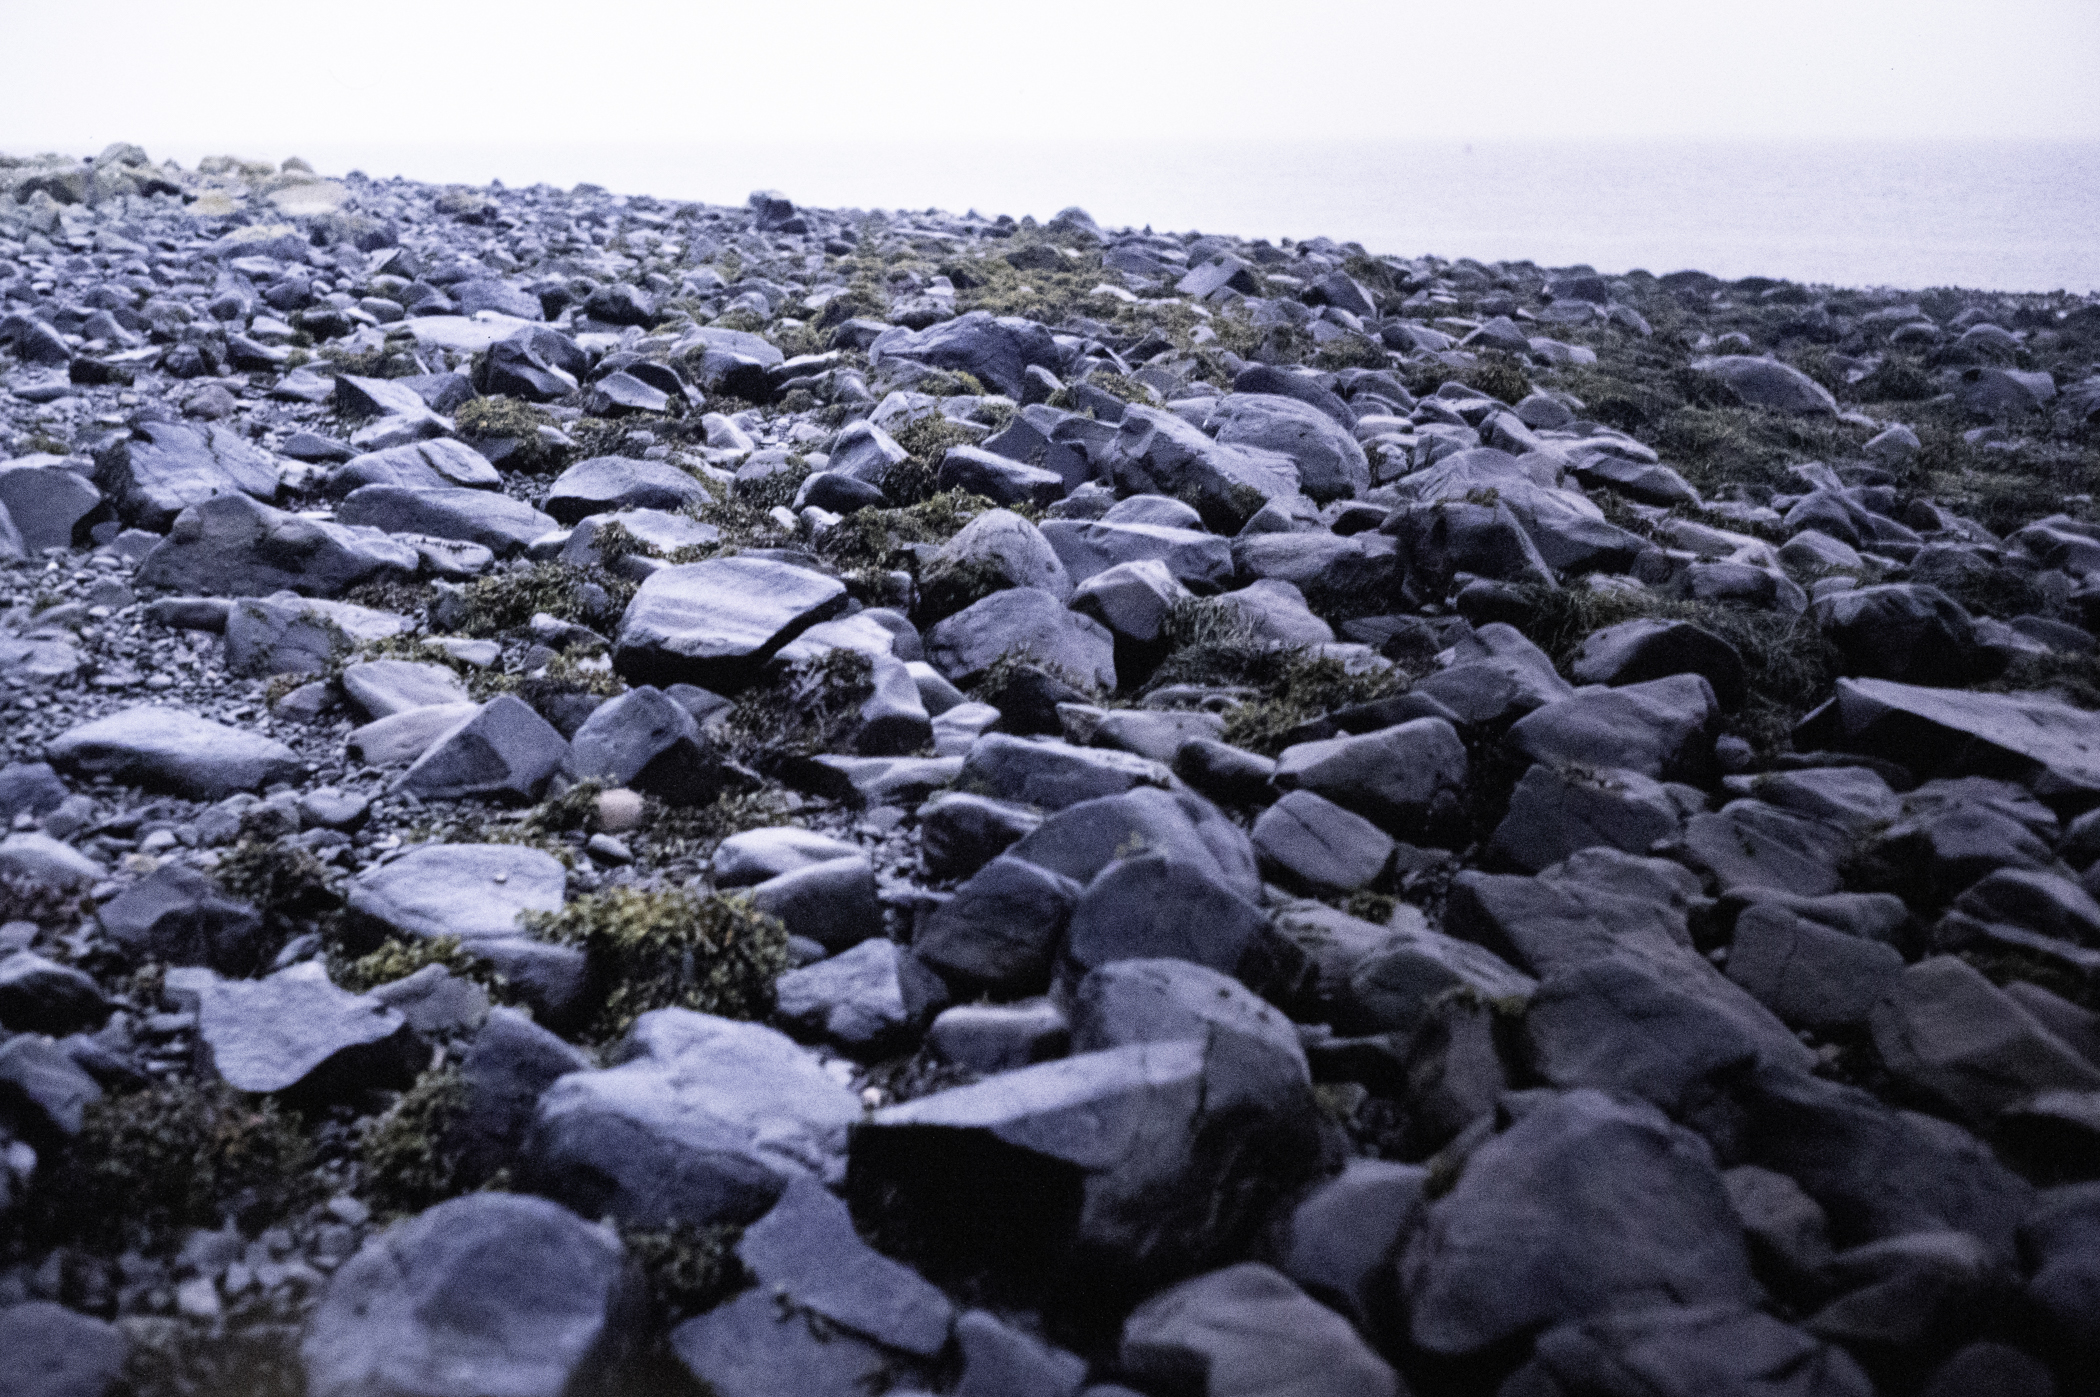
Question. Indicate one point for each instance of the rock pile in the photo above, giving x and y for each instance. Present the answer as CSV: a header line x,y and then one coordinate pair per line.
x,y
606,794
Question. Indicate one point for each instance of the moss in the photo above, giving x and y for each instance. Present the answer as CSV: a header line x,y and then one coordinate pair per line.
x,y
950,587
1309,686
171,1156
1897,380
1351,351
507,601
667,947
379,361
687,1268
393,594
409,1164
775,490
284,881
1497,375
500,417
50,907
925,441
2074,678
811,708
671,832
397,960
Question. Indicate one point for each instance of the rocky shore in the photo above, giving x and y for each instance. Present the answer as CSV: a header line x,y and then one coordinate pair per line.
x,y
606,795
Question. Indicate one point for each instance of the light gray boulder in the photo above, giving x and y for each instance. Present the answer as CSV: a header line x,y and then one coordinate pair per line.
x,y
174,750
505,751
715,623
233,546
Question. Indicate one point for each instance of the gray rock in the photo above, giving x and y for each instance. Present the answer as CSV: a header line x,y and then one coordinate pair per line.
x,y
504,751
1004,482
1247,1330
1152,905
1147,1147
46,501
1131,599
475,892
2061,1239
665,533
1001,930
855,999
755,855
753,1347
512,1061
1749,845
832,903
1313,843
1408,777
716,623
173,750
805,1249
290,634
439,464
1809,975
398,740
42,996
1053,775
177,916
997,351
1000,548
56,1352
162,468
1495,676
1902,632
1330,463
1343,1239
1188,554
1945,1031
297,1032
1663,728
234,546
29,788
1673,1351
1769,383
646,742
1162,1000
606,483
1584,1205
1000,1361
490,1292
383,688
1557,810
703,1120
38,858
44,1092
1633,652
1024,622
1158,453
991,1038
1907,1294
866,453
493,520
1157,735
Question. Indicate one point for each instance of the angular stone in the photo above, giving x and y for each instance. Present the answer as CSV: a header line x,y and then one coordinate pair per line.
x,y
1663,728
644,741
1809,975
1158,453
996,350
439,464
1674,1351
290,634
1633,652
504,751
716,623
177,916
755,855
1330,463
173,750
1314,843
398,740
806,1249
45,501
56,1352
1001,930
1024,622
1946,1031
493,520
1053,775
38,858
753,1347
234,546
1769,383
486,1293
1001,549
1556,811
383,688
855,999
1249,1332
605,483
163,468
1408,777
295,1031
832,903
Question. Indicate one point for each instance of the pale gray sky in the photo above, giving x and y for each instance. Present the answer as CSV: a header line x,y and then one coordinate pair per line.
x,y
265,77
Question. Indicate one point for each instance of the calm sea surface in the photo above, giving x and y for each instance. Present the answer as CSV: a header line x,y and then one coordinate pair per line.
x,y
2003,216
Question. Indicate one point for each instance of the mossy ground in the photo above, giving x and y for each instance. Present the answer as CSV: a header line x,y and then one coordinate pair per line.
x,y
669,948
409,1161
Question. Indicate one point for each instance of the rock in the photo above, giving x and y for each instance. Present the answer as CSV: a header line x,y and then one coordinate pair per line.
x,y
290,634
56,1352
1495,676
1583,1206
234,546
42,996
512,1061
1393,988
2033,739
703,1120
1313,843
398,740
1151,905
1771,384
505,751
716,623
1247,1330
644,741
1023,621
1809,975
297,1032
998,479
1907,633
1673,1351
172,750
1001,930
832,903
493,520
475,892
43,1091
1663,729
666,533
1330,463
440,464
1000,549
1343,1239
383,688
1634,652
1909,1294
160,469
45,501
991,1038
1138,1157
1943,1030
995,350
1275,610
177,916
1156,452
959,832
606,483
1189,555
490,1292
38,858
752,1347
999,1361
855,999
805,1249
1131,599
1557,810
753,856
29,788
1408,777
2059,1240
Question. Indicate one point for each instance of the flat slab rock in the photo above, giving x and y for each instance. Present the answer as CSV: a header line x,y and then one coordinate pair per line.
x,y
297,1029
2033,739
471,891
173,750
713,623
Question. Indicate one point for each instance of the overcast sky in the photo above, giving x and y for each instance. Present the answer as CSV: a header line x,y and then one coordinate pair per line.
x,y
265,77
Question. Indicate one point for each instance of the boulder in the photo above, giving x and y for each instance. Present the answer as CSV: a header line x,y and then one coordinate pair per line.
x,y
383,688
1585,1205
1000,549
1158,453
296,1032
2033,739
1246,1331
1899,631
646,742
715,623
1001,930
1662,728
1053,775
603,484
1677,1351
232,546
1636,651
856,999
702,1120
1023,621
504,751
487,517
1945,1031
1408,778
439,464
173,750
1330,463
805,1250
1186,552
996,350
46,501
159,469
485,1293
56,1352
1557,810
1770,384
291,634
1004,482
177,916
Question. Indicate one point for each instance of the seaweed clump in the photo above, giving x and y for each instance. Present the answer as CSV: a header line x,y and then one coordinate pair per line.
x,y
669,948
411,1159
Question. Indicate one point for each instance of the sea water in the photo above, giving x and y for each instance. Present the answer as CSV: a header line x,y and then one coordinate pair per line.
x,y
2012,216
